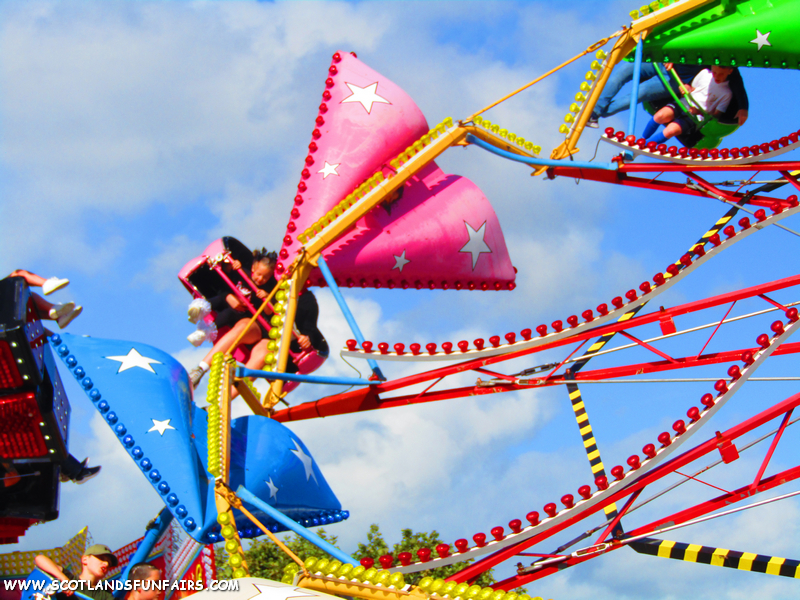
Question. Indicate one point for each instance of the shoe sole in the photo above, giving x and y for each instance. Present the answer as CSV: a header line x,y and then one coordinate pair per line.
x,y
62,283
61,309
68,318
83,480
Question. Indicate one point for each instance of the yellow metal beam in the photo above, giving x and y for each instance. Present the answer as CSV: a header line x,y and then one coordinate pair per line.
x,y
622,47
381,192
356,589
648,22
250,398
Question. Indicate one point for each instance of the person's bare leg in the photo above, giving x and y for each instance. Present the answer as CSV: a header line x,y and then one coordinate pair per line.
x,y
224,344
44,307
255,362
226,341
30,278
665,115
257,355
672,130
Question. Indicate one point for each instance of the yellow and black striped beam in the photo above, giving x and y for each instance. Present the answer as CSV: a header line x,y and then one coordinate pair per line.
x,y
581,416
578,406
719,557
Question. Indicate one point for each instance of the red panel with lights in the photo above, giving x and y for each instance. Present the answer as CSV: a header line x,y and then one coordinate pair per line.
x,y
20,429
9,373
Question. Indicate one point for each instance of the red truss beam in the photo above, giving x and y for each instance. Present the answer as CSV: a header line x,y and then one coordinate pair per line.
x,y
599,374
621,177
704,508
369,399
657,473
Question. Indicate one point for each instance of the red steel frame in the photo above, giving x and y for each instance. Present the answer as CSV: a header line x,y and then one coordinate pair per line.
x,y
657,473
369,398
623,176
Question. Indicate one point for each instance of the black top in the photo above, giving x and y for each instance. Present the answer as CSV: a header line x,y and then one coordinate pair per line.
x,y
226,315
306,322
739,100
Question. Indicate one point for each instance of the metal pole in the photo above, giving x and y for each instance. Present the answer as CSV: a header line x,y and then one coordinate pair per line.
x,y
304,378
151,537
326,273
281,518
637,71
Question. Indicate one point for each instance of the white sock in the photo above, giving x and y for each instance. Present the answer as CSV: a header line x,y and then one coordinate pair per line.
x,y
204,366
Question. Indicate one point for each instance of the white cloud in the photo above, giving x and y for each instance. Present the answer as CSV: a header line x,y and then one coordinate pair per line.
x,y
138,132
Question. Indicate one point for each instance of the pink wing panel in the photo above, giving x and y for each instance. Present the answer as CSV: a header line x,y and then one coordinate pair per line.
x,y
441,233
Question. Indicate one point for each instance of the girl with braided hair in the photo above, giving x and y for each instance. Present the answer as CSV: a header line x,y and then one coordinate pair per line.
x,y
231,310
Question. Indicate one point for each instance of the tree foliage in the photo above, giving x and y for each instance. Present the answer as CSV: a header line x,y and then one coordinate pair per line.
x,y
265,559
376,547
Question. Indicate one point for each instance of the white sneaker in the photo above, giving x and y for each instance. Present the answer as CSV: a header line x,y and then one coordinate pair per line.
x,y
196,338
59,310
54,284
195,376
199,308
66,319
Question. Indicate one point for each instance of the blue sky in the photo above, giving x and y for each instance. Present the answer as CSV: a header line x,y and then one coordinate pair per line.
x,y
134,133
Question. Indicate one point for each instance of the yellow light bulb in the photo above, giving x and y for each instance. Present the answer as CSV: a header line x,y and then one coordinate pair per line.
x,y
590,75
595,65
579,97
321,565
585,87
563,129
425,583
601,54
569,118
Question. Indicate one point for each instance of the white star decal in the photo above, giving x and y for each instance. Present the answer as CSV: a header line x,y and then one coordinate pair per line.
x,y
761,39
367,96
160,426
476,246
272,590
329,169
134,359
307,461
400,261
273,489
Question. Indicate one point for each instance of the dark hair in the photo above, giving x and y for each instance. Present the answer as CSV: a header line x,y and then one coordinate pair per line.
x,y
141,571
264,256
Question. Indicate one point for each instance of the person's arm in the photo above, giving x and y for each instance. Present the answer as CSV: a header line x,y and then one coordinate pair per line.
x,y
306,321
736,85
47,565
235,303
51,568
